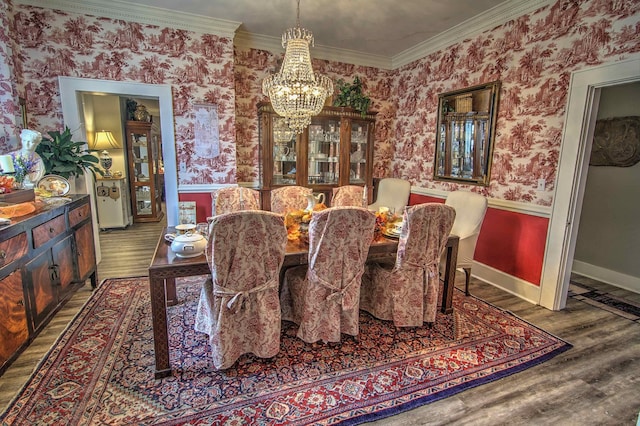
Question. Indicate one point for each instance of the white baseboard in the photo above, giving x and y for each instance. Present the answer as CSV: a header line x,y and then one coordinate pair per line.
x,y
608,276
516,286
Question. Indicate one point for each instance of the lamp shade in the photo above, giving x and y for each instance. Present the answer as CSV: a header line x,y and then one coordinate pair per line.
x,y
104,140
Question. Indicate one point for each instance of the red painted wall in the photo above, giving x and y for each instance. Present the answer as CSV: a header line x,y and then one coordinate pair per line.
x,y
510,242
203,204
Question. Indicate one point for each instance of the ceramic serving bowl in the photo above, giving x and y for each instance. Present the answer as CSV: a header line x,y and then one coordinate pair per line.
x,y
189,245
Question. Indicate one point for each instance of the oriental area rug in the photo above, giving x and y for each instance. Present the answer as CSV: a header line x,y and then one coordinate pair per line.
x,y
101,369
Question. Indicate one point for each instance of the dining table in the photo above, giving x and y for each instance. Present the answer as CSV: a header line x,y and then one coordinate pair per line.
x,y
166,266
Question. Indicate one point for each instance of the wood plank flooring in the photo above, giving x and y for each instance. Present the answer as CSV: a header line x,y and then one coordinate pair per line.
x,y
595,383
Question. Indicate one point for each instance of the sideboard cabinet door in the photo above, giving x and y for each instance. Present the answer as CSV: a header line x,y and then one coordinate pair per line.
x,y
86,251
14,331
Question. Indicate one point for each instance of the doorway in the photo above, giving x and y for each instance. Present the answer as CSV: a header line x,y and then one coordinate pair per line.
x,y
71,90
584,95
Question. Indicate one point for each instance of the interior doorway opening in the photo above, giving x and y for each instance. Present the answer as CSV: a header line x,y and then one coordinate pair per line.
x,y
584,93
71,90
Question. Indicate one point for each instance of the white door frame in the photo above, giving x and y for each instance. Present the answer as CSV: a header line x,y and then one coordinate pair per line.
x,y
584,95
71,89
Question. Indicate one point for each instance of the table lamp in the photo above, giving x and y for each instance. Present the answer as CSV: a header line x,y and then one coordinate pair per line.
x,y
104,140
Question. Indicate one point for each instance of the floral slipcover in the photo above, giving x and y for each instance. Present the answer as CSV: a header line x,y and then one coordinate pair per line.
x,y
324,297
289,198
348,195
407,292
239,306
233,199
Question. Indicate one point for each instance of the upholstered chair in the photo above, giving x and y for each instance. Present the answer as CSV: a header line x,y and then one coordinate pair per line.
x,y
323,298
233,199
288,198
406,292
348,195
393,193
470,211
239,306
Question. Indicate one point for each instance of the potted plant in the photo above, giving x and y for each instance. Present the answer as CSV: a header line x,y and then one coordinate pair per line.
x,y
350,95
64,157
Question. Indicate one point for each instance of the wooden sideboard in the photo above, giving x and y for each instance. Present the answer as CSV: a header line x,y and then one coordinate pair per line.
x,y
44,257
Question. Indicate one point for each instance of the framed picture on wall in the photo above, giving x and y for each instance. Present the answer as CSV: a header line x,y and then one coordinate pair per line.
x,y
187,212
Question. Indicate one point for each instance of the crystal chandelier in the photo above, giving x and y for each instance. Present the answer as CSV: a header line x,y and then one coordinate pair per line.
x,y
296,92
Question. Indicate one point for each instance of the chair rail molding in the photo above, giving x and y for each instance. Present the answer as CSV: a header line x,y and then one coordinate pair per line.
x,y
514,206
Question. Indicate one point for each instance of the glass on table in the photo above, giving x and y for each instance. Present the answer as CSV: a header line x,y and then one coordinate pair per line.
x,y
202,228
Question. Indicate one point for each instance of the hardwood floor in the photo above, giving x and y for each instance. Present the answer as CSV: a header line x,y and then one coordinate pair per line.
x,y
595,383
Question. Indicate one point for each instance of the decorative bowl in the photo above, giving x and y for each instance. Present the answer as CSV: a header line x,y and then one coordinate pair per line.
x,y
188,245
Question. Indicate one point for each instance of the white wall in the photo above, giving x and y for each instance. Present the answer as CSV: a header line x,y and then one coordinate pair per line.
x,y
608,240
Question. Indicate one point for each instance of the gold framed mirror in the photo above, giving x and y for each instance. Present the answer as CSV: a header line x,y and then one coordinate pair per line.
x,y
465,134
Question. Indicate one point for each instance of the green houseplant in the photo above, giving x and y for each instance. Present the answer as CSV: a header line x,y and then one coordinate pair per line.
x,y
64,157
350,95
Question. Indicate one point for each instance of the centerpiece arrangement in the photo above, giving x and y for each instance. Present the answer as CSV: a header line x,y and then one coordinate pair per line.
x,y
386,221
297,222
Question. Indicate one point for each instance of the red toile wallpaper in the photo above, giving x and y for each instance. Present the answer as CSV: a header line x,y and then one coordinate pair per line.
x,y
533,56
252,66
199,67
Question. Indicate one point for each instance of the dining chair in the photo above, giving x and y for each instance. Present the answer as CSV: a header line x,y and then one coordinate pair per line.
x,y
393,193
289,198
233,199
323,298
407,290
239,307
348,195
470,211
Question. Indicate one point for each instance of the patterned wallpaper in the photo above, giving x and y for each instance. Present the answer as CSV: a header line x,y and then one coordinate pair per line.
x,y
199,67
9,108
252,66
533,56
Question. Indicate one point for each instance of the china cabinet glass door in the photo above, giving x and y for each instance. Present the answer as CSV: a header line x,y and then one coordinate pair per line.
x,y
324,151
284,153
358,152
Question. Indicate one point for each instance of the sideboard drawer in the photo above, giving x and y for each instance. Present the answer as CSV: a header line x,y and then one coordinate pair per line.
x,y
48,230
13,248
79,214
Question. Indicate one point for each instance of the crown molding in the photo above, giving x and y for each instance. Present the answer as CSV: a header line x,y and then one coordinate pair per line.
x,y
272,44
494,17
116,9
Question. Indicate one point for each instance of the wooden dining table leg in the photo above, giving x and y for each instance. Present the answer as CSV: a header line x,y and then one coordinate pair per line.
x,y
159,319
450,274
172,295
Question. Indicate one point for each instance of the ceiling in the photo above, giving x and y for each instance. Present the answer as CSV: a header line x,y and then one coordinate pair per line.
x,y
375,27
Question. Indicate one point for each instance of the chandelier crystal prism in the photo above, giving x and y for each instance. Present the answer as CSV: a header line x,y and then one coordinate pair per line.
x,y
296,92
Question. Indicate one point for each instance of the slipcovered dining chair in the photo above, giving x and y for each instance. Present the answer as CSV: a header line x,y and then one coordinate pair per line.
x,y
393,193
233,199
470,211
407,291
323,298
288,198
348,195
239,306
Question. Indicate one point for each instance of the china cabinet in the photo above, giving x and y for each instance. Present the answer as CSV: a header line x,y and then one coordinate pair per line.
x,y
44,257
143,157
336,149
